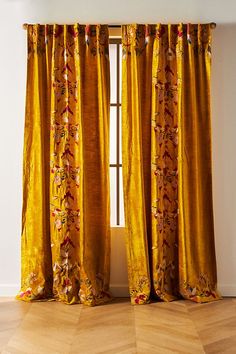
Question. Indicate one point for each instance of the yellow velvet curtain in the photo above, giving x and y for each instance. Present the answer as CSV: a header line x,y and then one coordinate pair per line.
x,y
167,162
66,216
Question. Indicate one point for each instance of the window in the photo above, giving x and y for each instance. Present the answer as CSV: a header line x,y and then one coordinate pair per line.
x,y
116,185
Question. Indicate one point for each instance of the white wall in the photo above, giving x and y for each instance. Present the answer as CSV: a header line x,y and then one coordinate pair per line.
x,y
12,88
224,153
12,92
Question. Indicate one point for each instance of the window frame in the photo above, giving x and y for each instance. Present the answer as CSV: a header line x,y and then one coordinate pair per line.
x,y
117,104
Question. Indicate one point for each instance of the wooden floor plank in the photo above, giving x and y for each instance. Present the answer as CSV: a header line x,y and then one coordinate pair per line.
x,y
118,328
216,325
106,329
12,313
166,328
47,328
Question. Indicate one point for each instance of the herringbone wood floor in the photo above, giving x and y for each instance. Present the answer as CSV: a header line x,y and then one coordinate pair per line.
x,y
118,327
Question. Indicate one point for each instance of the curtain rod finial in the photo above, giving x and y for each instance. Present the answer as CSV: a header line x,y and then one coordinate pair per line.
x,y
213,25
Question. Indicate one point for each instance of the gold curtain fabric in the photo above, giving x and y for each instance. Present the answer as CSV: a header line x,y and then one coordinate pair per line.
x,y
167,162
66,216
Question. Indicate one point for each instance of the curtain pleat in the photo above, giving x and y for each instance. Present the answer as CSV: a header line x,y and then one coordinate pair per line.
x,y
197,265
133,154
167,162
66,217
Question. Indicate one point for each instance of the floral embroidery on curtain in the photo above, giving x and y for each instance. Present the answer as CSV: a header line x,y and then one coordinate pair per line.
x,y
156,111
62,256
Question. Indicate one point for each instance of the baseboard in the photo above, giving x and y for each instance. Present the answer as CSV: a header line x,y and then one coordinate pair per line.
x,y
9,290
119,290
227,289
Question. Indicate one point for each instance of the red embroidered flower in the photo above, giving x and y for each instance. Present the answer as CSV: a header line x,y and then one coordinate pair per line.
x,y
140,298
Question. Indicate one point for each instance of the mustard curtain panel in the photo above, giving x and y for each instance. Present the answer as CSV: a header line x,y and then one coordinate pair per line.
x,y
66,226
167,162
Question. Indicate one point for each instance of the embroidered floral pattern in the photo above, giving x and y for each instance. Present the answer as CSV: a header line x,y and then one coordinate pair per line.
x,y
140,294
64,131
66,173
165,165
59,50
66,218
89,296
35,288
39,36
140,36
204,291
65,169
68,282
164,48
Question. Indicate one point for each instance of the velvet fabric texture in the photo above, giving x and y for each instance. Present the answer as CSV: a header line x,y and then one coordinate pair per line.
x,y
166,127
166,132
66,211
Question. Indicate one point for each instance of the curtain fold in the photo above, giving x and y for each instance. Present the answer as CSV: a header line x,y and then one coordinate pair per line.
x,y
167,162
66,210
